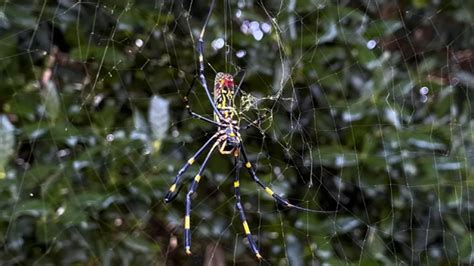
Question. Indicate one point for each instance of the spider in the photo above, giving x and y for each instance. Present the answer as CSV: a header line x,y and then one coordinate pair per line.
x,y
227,140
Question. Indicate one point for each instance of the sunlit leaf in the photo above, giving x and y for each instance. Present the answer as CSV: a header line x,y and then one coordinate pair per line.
x,y
7,142
51,102
159,119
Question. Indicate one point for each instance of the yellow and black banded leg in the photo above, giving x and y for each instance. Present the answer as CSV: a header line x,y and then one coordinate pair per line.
x,y
176,186
280,200
192,189
200,49
240,208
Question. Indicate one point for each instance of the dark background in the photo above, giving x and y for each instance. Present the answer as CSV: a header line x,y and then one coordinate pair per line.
x,y
368,116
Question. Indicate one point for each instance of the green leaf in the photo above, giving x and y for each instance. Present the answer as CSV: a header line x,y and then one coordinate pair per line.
x,y
137,244
159,119
35,208
50,97
108,55
7,143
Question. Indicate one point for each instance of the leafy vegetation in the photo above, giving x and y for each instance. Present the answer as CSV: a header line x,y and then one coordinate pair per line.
x,y
367,116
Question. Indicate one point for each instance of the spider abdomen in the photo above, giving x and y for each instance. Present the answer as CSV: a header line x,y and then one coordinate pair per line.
x,y
224,95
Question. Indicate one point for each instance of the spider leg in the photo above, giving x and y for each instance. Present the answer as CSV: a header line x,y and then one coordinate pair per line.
x,y
193,114
240,208
192,189
279,199
255,122
201,62
176,186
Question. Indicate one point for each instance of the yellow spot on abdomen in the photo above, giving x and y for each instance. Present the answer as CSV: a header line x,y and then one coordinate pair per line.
x,y
236,183
248,165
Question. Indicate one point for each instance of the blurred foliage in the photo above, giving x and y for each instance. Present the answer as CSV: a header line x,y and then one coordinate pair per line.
x,y
369,114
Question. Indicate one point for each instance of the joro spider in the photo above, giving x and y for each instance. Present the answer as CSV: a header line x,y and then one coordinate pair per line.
x,y
228,141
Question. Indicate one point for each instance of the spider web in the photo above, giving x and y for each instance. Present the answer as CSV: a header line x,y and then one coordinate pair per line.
x,y
365,115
